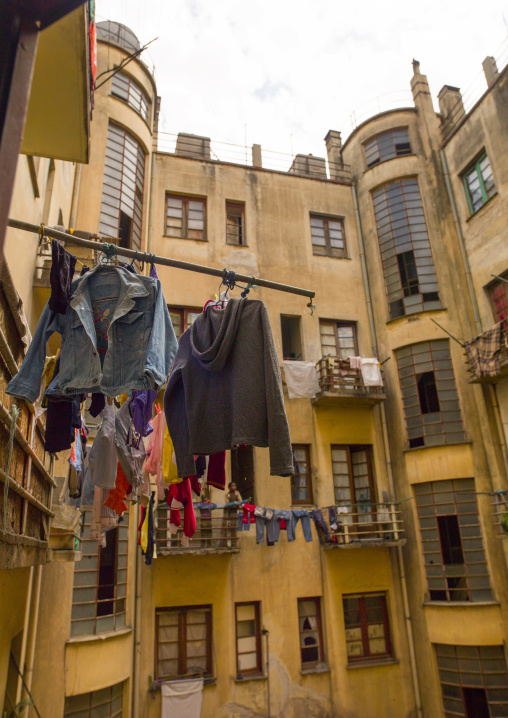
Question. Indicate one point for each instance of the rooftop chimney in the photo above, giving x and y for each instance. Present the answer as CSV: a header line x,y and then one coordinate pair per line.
x,y
334,151
193,146
490,70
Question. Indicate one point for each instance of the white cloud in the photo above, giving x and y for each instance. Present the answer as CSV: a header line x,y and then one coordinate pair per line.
x,y
293,68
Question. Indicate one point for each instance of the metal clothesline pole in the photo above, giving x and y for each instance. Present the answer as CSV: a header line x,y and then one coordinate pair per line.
x,y
166,261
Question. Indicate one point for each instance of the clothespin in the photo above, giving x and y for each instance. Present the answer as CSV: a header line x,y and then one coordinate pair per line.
x,y
42,237
158,408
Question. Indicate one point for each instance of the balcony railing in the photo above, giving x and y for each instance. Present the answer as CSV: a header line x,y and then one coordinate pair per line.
x,y
216,532
339,381
500,511
367,524
487,364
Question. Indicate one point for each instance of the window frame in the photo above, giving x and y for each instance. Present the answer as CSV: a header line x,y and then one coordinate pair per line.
x,y
131,82
350,449
309,665
310,491
337,323
492,288
258,670
241,205
326,219
184,316
185,216
475,165
376,139
92,696
366,656
182,641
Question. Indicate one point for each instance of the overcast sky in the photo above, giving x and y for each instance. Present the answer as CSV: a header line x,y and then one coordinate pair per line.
x,y
284,72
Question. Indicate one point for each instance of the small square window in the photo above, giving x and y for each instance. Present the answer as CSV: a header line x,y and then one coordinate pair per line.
x,y
185,217
328,237
235,223
479,183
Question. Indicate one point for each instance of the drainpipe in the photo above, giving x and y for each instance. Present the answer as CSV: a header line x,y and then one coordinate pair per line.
x,y
400,560
29,667
24,638
137,634
150,208
75,196
472,294
266,633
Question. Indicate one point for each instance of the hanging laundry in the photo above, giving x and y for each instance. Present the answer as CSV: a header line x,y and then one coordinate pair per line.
x,y
154,447
296,516
143,536
103,458
321,527
483,352
150,544
169,472
248,516
141,406
179,496
301,379
116,336
216,475
61,275
182,699
225,388
62,417
116,497
141,522
103,518
371,372
130,452
97,404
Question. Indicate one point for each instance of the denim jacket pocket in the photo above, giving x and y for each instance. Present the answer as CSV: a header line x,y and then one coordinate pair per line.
x,y
77,333
130,329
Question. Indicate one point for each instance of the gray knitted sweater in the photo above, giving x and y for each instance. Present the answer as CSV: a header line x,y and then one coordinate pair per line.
x,y
225,388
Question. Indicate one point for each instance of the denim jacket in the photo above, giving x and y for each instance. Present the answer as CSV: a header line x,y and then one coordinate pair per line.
x,y
138,340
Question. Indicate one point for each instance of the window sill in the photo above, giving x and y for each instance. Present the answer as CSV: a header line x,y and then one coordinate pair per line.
x,y
374,662
435,446
475,214
329,256
461,603
100,636
257,677
408,317
186,239
390,159
234,244
316,669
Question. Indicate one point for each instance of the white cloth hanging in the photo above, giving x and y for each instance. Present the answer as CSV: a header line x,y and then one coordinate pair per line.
x,y
371,372
301,379
182,699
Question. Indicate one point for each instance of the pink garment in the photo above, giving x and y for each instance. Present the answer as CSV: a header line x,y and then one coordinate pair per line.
x,y
355,362
154,447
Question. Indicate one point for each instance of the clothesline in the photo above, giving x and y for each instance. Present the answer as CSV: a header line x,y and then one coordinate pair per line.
x,y
152,258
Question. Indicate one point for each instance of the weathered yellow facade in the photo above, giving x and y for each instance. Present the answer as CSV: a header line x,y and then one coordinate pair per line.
x,y
277,245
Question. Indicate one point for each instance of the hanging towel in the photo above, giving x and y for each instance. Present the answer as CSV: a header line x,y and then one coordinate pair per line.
x,y
371,373
182,699
301,379
355,362
483,352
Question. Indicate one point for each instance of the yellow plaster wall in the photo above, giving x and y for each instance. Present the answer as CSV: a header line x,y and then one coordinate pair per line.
x,y
13,596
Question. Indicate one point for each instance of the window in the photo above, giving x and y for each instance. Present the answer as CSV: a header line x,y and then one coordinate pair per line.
x,y
185,217
474,680
479,183
429,394
242,470
452,543
182,318
328,236
394,143
408,268
291,338
184,641
301,481
367,630
353,479
338,339
129,91
235,223
122,189
100,581
106,703
248,639
311,632
498,294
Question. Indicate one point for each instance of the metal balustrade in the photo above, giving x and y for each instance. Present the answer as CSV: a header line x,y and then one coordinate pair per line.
x,y
216,532
367,524
337,377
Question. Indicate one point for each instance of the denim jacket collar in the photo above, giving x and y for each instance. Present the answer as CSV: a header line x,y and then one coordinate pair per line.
x,y
80,301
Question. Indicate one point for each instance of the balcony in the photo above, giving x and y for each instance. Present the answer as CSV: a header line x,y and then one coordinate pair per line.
x,y
487,358
216,533
340,384
367,524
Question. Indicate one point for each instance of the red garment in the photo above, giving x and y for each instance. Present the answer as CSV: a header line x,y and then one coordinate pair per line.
x,y
283,524
195,485
217,470
117,495
248,509
182,493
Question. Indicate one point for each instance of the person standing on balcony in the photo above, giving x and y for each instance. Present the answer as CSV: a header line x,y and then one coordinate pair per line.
x,y
230,520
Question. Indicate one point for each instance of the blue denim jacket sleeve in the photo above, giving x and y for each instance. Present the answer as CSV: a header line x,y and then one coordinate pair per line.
x,y
27,382
162,344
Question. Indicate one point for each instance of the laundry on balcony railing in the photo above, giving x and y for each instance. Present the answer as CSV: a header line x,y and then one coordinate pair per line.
x,y
217,526
486,351
355,374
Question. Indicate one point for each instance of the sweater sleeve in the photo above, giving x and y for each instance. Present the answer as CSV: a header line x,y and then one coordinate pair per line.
x,y
281,454
176,413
